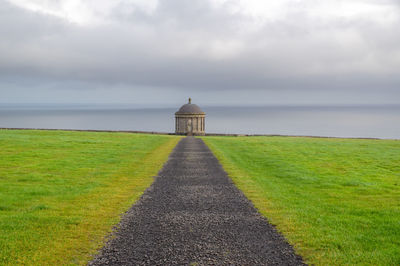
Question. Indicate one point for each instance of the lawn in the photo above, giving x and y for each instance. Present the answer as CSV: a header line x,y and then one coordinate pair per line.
x,y
336,200
62,192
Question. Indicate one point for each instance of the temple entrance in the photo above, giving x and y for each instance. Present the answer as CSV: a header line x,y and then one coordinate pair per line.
x,y
189,129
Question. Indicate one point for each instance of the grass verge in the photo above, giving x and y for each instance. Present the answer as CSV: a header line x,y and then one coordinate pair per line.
x,y
62,192
337,201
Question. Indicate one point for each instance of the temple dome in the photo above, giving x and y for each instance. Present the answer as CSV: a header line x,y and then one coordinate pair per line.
x,y
190,108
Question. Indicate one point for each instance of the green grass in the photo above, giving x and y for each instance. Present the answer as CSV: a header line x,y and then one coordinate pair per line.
x,y
336,200
61,192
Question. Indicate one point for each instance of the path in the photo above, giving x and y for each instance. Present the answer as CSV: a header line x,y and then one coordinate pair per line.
x,y
194,215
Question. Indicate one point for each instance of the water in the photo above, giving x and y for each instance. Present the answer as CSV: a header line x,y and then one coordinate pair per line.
x,y
355,121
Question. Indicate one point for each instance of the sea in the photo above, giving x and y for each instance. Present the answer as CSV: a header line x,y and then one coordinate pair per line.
x,y
375,121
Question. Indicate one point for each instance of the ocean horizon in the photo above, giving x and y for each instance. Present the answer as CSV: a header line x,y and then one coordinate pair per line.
x,y
358,121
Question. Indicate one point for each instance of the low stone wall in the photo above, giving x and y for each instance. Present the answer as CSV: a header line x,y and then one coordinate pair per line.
x,y
94,130
277,135
168,133
229,135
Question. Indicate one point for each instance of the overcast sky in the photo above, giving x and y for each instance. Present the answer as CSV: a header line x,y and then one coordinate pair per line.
x,y
219,52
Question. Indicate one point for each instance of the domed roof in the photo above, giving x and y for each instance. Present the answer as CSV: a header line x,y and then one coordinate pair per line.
x,y
190,108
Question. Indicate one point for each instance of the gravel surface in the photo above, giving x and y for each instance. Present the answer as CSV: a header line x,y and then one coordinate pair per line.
x,y
194,215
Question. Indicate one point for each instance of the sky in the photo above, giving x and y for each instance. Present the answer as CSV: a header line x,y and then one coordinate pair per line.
x,y
219,52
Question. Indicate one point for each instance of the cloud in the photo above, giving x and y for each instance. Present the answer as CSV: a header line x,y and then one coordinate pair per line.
x,y
203,46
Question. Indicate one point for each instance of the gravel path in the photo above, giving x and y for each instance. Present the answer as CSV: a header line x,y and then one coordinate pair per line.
x,y
194,215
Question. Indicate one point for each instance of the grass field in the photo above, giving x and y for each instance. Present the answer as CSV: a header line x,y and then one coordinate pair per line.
x,y
336,200
61,192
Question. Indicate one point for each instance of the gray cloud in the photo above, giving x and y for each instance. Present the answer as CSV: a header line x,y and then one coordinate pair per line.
x,y
194,47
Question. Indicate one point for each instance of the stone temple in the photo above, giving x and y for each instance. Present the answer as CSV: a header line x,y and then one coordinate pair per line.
x,y
190,120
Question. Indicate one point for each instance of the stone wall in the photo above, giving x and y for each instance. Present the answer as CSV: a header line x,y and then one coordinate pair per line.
x,y
190,124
